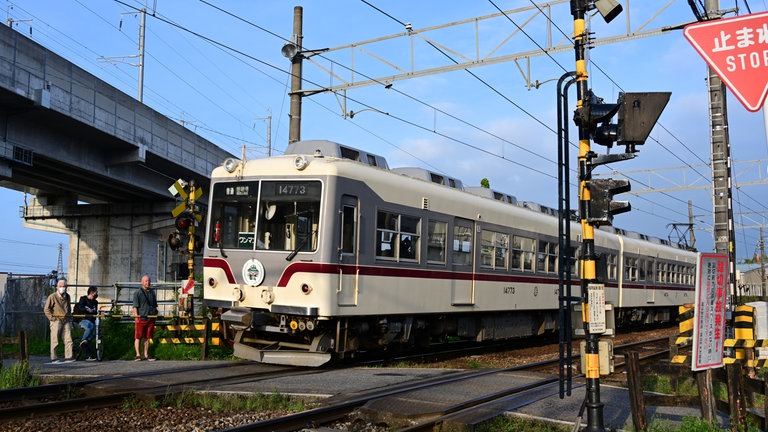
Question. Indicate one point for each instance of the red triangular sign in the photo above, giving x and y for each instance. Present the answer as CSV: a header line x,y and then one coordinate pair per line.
x,y
737,50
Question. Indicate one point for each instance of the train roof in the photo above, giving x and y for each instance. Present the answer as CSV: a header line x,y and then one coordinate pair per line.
x,y
430,176
492,194
334,149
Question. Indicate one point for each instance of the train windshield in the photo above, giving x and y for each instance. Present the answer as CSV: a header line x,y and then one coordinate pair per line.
x,y
265,215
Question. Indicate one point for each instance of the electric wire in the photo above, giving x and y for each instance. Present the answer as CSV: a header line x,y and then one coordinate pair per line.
x,y
503,96
428,105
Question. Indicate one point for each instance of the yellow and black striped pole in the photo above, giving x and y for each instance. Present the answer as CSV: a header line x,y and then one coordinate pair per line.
x,y
588,274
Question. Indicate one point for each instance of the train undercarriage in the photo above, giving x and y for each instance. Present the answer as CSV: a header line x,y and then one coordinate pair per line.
x,y
313,341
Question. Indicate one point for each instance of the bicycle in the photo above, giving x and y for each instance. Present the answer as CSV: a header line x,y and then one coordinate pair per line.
x,y
99,341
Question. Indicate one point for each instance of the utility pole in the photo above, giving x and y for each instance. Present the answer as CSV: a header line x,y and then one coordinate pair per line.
x,y
724,236
140,55
762,265
269,133
294,125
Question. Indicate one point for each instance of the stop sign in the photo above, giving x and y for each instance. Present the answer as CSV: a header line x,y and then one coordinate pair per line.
x,y
737,50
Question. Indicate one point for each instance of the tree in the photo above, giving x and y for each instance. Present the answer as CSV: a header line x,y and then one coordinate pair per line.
x,y
485,183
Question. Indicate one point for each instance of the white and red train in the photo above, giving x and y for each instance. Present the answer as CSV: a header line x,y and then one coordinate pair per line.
x,y
325,252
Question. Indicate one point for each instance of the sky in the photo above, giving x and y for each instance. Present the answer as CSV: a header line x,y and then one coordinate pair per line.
x,y
216,67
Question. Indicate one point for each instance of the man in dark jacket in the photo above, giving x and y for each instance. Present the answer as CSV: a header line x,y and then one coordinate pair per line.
x,y
88,306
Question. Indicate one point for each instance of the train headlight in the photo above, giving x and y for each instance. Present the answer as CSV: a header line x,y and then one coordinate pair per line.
x,y
231,164
212,282
306,289
300,162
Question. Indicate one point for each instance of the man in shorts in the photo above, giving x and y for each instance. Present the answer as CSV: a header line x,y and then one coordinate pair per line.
x,y
145,311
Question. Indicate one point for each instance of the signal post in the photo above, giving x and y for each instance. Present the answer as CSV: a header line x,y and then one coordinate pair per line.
x,y
637,114
588,274
187,217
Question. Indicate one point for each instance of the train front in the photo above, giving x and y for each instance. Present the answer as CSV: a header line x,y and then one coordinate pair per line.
x,y
262,242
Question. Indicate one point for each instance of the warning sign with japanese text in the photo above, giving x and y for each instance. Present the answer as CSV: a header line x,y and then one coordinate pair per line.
x,y
737,50
709,311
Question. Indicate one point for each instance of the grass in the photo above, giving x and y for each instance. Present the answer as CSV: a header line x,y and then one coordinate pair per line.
x,y
18,375
228,402
220,402
518,424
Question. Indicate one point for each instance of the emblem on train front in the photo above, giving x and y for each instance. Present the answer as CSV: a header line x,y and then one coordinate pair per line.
x,y
253,272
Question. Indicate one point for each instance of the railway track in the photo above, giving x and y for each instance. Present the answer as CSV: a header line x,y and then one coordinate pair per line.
x,y
471,410
367,407
113,391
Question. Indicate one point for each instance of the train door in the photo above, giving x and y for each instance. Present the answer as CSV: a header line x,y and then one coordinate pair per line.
x,y
650,281
462,258
348,251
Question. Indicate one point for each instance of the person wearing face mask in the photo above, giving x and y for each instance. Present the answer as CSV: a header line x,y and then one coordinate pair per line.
x,y
88,306
59,313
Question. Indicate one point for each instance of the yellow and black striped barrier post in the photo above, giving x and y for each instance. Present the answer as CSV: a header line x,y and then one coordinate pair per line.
x,y
214,327
208,333
685,337
743,342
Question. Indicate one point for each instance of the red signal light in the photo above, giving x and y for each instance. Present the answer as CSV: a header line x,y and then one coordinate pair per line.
x,y
183,222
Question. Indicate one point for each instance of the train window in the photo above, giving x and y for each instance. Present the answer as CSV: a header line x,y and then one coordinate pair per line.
x,y
270,215
436,237
630,269
649,273
494,250
661,272
574,261
462,245
234,212
348,229
546,258
523,249
613,267
397,236
641,270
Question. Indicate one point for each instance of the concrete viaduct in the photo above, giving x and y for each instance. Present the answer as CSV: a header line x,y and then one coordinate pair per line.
x,y
97,162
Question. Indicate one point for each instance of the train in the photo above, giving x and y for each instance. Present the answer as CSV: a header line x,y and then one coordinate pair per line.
x,y
325,252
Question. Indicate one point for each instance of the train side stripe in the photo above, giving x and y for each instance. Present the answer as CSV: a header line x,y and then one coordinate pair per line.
x,y
308,267
221,264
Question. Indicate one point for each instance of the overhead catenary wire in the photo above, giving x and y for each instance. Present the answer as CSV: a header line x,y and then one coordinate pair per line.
x,y
235,55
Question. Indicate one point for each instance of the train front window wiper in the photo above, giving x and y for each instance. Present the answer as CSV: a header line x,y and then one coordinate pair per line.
x,y
298,248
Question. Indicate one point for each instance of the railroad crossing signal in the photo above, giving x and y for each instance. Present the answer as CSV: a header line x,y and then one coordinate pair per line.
x,y
178,188
602,205
187,217
637,115
735,49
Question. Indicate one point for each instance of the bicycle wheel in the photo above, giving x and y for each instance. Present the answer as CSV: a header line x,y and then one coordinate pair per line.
x,y
99,349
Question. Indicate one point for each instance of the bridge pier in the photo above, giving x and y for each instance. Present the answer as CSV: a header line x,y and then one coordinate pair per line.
x,y
108,243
